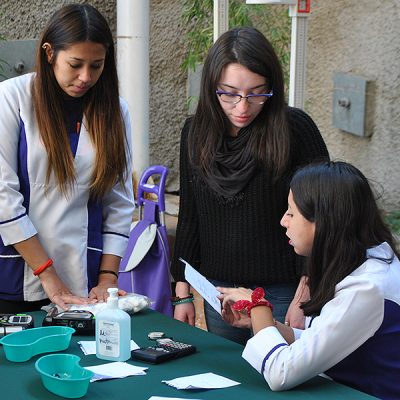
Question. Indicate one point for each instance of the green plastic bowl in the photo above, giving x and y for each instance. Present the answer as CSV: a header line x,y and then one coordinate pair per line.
x,y
23,345
62,375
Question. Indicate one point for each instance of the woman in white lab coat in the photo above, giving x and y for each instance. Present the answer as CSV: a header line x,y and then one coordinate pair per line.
x,y
66,198
353,315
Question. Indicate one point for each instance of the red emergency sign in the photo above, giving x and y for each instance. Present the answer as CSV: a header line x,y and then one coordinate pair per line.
x,y
303,6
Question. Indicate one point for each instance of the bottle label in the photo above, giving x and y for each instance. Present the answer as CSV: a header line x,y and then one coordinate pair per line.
x,y
109,335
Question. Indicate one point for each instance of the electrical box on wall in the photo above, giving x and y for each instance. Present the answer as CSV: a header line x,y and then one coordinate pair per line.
x,y
351,103
17,56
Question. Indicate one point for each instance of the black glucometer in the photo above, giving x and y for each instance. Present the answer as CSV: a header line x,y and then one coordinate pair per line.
x,y
82,321
10,323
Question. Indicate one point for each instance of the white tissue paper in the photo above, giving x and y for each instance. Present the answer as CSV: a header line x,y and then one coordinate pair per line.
x,y
131,303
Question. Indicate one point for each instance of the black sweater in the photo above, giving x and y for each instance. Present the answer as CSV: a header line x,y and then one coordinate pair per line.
x,y
240,239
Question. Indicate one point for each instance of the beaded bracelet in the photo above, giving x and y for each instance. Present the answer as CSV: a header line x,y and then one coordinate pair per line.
x,y
175,303
182,300
257,299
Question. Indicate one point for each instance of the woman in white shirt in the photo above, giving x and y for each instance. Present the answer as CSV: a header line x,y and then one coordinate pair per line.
x,y
353,315
66,198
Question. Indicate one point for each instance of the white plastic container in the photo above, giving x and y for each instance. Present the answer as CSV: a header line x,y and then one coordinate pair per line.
x,y
113,331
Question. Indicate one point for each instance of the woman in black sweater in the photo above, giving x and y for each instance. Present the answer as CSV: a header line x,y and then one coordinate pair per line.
x,y
238,153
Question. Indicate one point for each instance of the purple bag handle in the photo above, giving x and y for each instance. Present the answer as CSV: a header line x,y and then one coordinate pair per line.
x,y
158,190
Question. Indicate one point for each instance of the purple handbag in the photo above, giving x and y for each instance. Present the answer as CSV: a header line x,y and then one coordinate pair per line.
x,y
144,269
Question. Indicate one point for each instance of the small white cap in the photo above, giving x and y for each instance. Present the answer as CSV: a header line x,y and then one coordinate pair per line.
x,y
113,292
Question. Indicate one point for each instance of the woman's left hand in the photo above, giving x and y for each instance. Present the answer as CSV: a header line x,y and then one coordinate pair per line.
x,y
109,263
100,293
295,315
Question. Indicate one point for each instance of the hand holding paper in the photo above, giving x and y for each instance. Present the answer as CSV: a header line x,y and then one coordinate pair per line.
x,y
205,288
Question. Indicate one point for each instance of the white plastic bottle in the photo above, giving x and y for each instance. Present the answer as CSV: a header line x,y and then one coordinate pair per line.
x,y
113,331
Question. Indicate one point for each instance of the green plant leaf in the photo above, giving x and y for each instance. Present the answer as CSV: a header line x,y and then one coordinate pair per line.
x,y
272,20
393,220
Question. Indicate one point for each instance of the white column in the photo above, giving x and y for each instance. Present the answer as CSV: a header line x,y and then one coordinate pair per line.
x,y
298,47
221,17
134,73
298,58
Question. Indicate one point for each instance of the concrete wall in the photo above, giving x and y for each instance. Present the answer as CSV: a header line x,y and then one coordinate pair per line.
x,y
26,19
362,38
359,37
168,104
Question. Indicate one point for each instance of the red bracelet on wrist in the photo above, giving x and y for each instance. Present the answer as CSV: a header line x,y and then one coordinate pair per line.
x,y
39,270
257,299
265,303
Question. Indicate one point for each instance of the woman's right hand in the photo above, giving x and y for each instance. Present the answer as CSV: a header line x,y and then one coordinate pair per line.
x,y
57,292
34,254
228,297
185,312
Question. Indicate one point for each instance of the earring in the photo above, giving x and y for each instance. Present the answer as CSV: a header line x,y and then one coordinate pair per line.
x,y
49,52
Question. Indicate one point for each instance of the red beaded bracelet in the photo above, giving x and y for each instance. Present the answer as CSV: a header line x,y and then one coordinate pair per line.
x,y
265,303
257,299
46,265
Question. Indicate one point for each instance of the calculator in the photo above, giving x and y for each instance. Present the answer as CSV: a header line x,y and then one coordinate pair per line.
x,y
166,349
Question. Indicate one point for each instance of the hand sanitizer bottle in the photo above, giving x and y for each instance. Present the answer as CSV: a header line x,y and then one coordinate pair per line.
x,y
113,331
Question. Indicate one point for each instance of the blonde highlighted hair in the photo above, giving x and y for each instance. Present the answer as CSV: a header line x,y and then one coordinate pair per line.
x,y
73,24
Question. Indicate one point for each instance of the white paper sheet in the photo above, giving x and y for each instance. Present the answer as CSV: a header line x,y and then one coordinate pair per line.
x,y
89,346
167,398
115,370
208,380
204,287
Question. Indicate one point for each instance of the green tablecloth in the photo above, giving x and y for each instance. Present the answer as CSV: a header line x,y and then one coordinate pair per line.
x,y
20,381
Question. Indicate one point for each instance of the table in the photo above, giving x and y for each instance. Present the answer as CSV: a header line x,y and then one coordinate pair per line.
x,y
20,381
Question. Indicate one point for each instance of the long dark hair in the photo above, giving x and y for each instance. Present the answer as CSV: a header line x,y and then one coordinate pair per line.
x,y
72,24
338,198
270,140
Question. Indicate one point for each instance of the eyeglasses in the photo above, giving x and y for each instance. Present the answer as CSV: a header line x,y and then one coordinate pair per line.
x,y
234,98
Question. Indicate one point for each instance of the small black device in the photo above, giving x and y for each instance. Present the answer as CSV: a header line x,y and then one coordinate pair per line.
x,y
10,323
166,349
82,321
